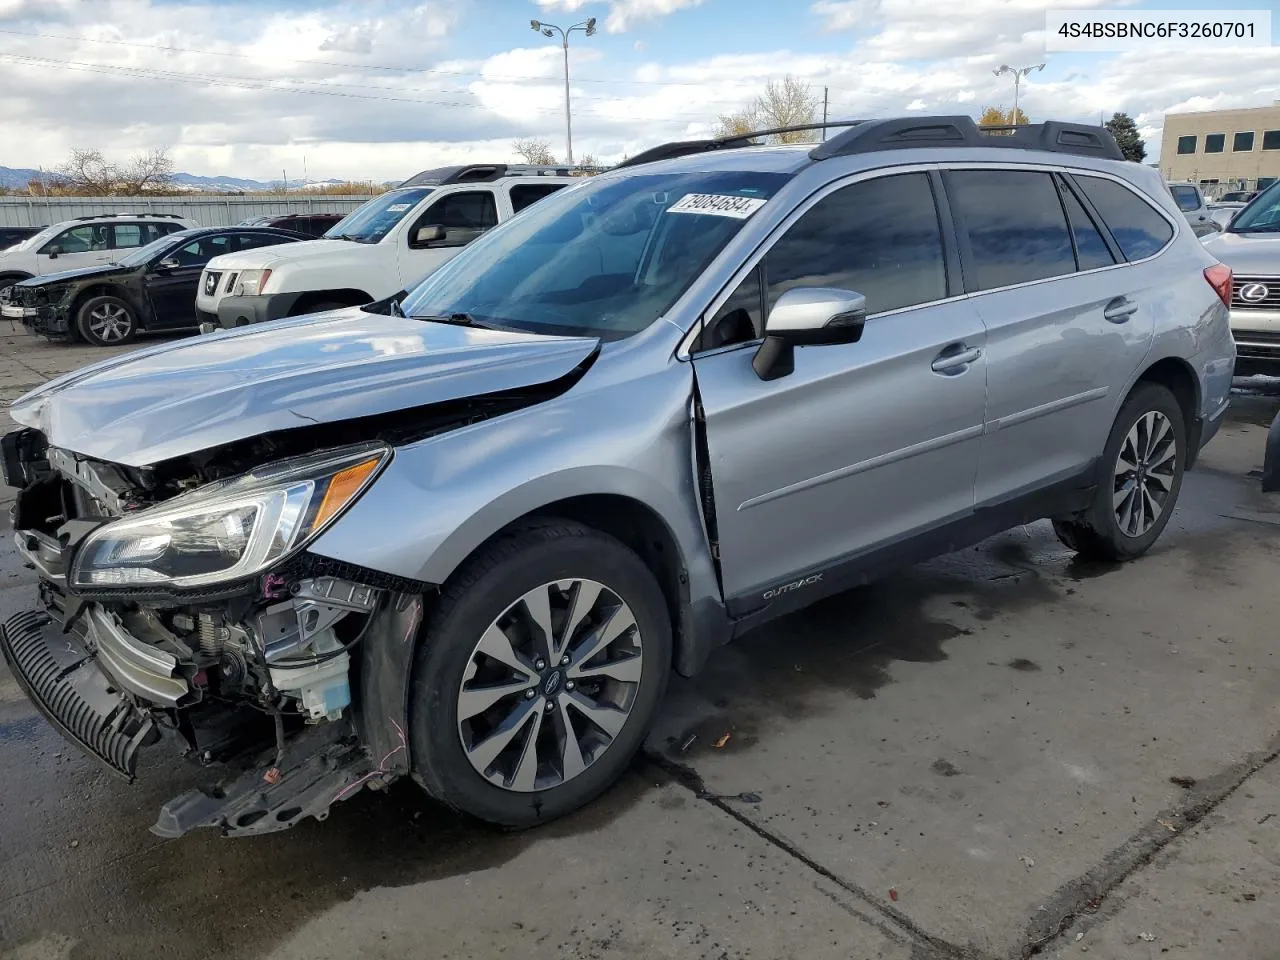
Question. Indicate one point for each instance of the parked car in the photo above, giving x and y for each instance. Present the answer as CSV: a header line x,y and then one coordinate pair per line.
x,y
469,539
151,288
9,236
1193,206
84,242
1221,213
311,224
1238,196
1250,245
389,243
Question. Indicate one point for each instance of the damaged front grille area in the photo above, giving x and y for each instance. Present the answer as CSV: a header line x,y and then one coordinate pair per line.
x,y
58,675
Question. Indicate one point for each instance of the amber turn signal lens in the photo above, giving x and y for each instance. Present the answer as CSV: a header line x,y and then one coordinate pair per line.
x,y
344,485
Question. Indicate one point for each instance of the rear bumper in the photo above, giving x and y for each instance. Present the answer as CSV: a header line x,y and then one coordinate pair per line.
x,y
242,311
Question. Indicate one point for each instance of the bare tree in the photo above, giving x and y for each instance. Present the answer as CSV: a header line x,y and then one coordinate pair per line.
x,y
534,151
788,102
146,171
89,173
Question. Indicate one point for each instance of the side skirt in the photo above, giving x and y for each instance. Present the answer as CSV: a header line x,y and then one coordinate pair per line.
x,y
1060,497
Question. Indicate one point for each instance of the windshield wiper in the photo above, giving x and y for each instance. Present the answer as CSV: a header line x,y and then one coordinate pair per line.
x,y
457,319
354,238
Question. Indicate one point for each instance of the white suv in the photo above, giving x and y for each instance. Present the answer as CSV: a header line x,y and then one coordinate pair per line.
x,y
385,246
84,242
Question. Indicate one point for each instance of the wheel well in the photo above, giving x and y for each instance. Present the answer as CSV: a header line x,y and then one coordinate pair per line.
x,y
348,297
14,276
643,532
103,290
1178,377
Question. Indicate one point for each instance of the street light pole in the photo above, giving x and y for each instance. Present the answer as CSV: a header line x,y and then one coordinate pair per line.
x,y
588,28
1017,73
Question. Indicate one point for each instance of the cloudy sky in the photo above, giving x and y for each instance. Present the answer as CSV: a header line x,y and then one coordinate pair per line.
x,y
378,89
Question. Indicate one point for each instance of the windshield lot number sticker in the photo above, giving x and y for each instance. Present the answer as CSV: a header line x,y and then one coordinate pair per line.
x,y
717,205
398,208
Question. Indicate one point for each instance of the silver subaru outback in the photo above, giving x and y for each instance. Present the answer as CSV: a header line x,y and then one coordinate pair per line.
x,y
466,537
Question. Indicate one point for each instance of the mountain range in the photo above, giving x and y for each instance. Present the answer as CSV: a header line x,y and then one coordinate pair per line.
x,y
17,178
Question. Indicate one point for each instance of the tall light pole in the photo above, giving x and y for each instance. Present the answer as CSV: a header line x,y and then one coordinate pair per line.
x,y
588,27
1017,73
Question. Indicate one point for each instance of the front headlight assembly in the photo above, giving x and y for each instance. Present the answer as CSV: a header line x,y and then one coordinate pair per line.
x,y
229,530
250,283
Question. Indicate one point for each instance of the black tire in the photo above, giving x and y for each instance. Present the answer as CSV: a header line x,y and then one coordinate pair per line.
x,y
91,312
481,591
1096,534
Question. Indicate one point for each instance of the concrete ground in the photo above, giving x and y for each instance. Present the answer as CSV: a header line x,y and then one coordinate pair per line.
x,y
1000,753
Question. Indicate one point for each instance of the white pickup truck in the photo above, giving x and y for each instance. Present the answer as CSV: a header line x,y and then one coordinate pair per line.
x,y
384,246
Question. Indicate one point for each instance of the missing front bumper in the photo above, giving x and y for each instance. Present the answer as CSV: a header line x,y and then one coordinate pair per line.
x,y
60,677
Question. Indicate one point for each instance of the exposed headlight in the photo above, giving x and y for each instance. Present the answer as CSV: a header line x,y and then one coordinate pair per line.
x,y
250,283
228,530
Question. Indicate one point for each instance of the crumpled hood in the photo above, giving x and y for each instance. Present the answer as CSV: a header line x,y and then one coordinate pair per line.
x,y
1247,254
178,398
62,276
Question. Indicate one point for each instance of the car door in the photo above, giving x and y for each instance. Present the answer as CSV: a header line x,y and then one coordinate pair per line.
x,y
1065,327
863,445
85,245
461,217
171,282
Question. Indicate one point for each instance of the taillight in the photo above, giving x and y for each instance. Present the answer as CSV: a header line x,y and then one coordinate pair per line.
x,y
1219,277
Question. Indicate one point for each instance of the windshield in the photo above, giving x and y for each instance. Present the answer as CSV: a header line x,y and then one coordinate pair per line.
x,y
1262,215
603,259
143,255
38,238
371,221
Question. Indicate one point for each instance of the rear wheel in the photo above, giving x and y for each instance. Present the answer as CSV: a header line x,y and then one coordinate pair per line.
x,y
106,321
539,674
1140,478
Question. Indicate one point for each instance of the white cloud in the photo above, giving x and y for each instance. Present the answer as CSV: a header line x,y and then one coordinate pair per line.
x,y
624,14
235,107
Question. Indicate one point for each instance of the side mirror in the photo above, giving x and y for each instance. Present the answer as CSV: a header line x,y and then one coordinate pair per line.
x,y
169,263
53,252
431,234
807,316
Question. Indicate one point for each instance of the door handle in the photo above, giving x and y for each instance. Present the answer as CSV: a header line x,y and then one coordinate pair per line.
x,y
1120,310
953,358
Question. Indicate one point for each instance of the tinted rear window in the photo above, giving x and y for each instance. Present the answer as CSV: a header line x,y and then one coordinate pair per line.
x,y
1091,250
1135,224
1016,229
1187,198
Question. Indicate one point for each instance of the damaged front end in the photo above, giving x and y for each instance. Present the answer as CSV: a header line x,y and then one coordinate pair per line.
x,y
181,604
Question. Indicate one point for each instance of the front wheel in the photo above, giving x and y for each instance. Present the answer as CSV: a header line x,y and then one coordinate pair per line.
x,y
539,674
106,321
1140,477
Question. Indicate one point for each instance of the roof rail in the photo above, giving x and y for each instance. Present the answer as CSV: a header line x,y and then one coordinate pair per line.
x,y
1052,136
484,173
104,216
867,136
683,148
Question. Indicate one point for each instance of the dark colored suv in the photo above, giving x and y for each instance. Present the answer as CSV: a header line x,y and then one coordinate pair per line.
x,y
312,224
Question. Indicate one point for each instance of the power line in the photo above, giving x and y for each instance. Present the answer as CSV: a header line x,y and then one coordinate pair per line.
x,y
364,66
271,85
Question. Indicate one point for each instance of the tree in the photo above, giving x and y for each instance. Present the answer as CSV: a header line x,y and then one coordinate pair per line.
x,y
89,173
1125,131
788,102
535,151
999,117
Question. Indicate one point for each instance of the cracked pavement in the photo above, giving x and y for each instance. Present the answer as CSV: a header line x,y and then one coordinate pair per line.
x,y
1001,753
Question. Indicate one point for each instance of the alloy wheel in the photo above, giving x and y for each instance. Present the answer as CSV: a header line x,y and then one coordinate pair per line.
x,y
1144,473
550,685
110,322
